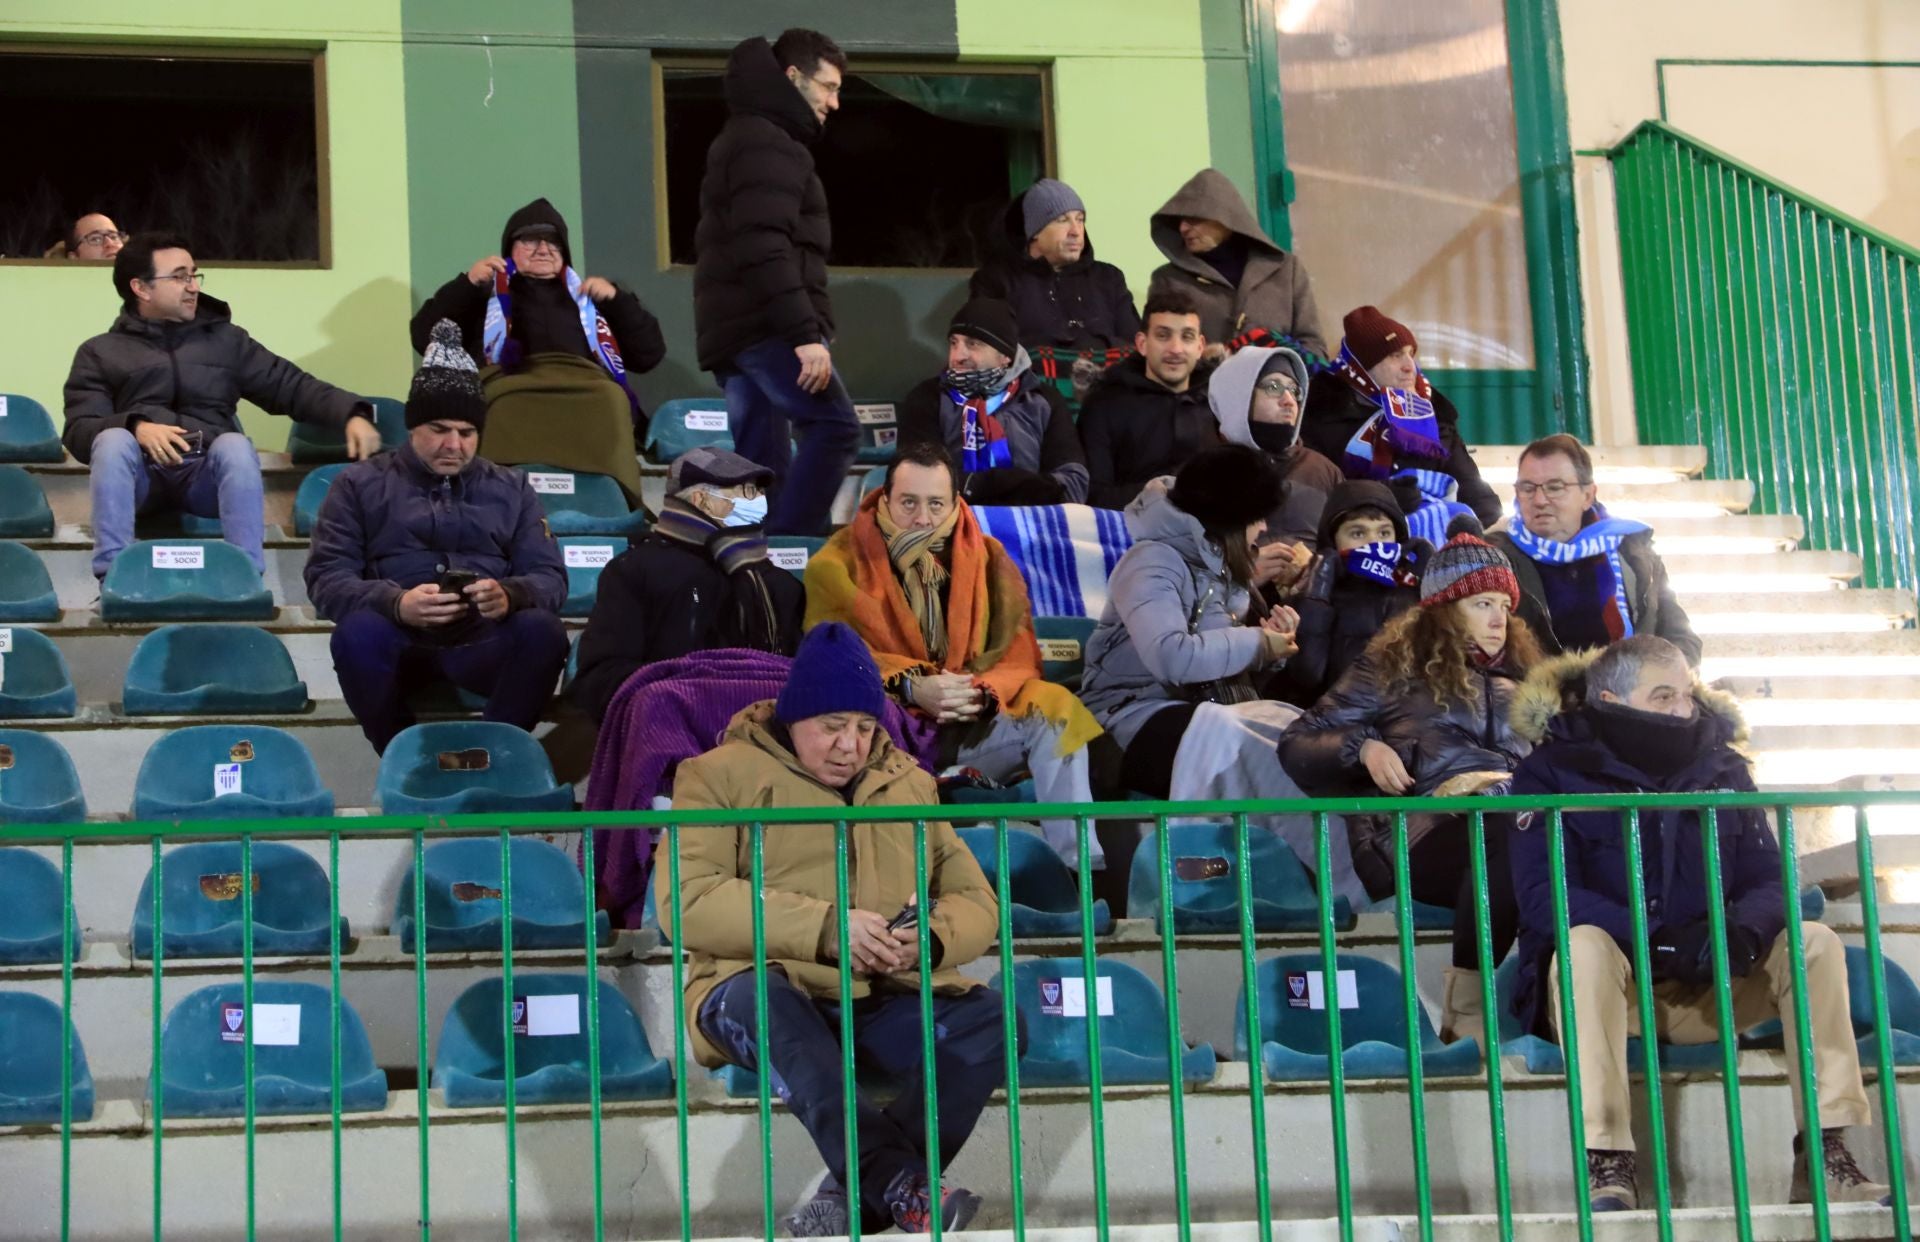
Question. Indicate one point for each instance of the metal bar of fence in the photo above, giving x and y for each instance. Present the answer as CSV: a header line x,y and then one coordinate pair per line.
x,y
763,1073
508,1051
1416,1070
680,1067
849,1087
333,1026
590,923
1569,1032
1490,1007
1176,1045
67,1029
1090,973
1882,1032
929,1071
1649,1024
1801,1046
157,1080
422,1078
1009,1029
1729,1036
251,1031
1336,1063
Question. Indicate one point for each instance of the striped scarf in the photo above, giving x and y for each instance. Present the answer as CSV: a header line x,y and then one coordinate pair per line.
x,y
923,575
1600,537
501,349
740,552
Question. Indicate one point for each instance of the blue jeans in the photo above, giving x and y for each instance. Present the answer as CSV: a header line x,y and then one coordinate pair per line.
x,y
765,407
224,482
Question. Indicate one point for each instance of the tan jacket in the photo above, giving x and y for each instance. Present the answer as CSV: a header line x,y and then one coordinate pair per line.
x,y
751,770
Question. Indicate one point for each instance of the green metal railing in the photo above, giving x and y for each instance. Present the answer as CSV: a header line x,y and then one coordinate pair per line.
x,y
1781,334
1186,1203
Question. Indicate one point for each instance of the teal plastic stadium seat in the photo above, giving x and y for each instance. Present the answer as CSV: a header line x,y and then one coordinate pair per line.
x,y
1063,648
1543,1056
1046,897
30,910
1133,1038
200,902
38,782
463,767
687,423
469,1067
225,588
463,898
879,432
26,588
192,670
793,552
311,494
308,444
31,1028
1373,1033
586,504
34,678
871,483
277,777
586,556
1903,1010
24,511
27,432
573,663
203,1072
1206,893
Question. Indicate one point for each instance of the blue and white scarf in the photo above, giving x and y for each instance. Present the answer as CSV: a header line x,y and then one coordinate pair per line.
x,y
1601,538
501,349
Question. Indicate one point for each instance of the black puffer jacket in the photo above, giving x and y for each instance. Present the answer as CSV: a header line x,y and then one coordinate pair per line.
x,y
1335,413
1136,429
760,271
1084,305
188,375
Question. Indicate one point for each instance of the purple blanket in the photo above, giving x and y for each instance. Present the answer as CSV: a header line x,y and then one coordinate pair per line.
x,y
668,712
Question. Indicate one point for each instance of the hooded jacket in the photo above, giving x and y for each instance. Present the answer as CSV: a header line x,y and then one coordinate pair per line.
x,y
1310,478
1272,292
1084,305
760,267
1173,619
1049,466
546,320
1136,429
1334,414
1651,602
752,768
189,375
1339,612
1570,757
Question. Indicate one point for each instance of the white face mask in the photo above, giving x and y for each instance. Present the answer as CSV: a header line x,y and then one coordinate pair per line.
x,y
746,512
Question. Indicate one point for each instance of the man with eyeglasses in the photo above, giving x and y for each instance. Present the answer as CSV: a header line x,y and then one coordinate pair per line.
x,y
94,236
1586,578
1256,396
152,404
762,321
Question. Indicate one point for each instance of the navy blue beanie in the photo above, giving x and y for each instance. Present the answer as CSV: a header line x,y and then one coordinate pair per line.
x,y
832,672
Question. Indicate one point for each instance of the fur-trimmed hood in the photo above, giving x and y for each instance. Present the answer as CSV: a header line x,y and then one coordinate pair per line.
x,y
1559,685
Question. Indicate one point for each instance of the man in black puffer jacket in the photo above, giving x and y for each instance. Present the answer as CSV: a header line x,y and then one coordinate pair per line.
x,y
761,316
1149,416
1061,295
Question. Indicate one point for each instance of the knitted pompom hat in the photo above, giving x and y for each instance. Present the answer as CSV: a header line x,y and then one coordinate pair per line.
x,y
447,385
1465,567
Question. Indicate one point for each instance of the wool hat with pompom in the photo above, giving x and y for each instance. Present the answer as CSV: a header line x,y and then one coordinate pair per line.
x,y
1467,566
447,385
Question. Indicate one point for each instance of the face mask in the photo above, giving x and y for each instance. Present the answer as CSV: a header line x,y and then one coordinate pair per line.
x,y
1375,562
746,512
1274,437
982,383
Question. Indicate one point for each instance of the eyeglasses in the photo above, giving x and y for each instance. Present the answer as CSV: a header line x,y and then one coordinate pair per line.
x,y
535,244
187,279
100,237
1277,386
1553,488
830,89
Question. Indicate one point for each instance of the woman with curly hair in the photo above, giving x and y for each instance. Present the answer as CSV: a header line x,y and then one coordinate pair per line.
x,y
1424,714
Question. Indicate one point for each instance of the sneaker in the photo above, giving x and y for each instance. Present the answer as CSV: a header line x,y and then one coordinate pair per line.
x,y
1610,1181
823,1216
1845,1182
912,1203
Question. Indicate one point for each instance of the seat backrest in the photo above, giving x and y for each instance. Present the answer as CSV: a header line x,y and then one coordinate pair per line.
x,y
1038,878
586,556
1903,997
1204,857
26,588
687,423
463,883
24,511
195,1051
1063,648
262,771
576,491
792,552
1372,1008
874,480
38,782
1137,1023
32,670
312,442
184,580
31,897
27,432
31,1028
311,494
462,759
472,1039
201,889
183,659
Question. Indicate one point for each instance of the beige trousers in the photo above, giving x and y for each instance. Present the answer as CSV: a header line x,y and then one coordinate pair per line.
x,y
1607,1012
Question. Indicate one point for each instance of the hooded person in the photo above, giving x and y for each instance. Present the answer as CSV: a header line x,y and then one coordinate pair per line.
x,y
1249,290
1256,397
820,744
1062,297
559,351
1010,431
1633,718
1375,413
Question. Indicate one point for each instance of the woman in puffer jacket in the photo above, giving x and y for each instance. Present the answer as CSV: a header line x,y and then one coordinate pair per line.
x,y
1424,714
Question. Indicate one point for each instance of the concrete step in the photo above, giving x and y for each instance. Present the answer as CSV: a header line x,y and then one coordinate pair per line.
x,y
1797,756
1884,653
1728,535
1839,700
1822,612
1638,463
1659,501
1698,573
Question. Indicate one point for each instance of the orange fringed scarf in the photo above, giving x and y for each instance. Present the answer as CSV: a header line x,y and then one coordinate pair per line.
x,y
989,619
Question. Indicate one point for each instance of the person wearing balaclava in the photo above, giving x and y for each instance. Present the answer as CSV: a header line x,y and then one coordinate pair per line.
x,y
1256,396
700,579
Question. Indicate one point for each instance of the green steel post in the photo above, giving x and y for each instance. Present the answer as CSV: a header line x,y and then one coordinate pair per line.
x,y
591,924
1802,1024
1729,1037
1336,1066
66,1039
1010,1032
156,1081
1569,1033
1176,1046
929,1077
1416,1077
246,1007
1490,1006
1882,1029
760,1054
679,1033
1090,971
1269,133
333,1023
1649,1024
508,1050
423,1078
850,1099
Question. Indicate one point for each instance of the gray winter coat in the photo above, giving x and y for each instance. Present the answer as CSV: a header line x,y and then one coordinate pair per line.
x,y
1273,293
1310,477
1148,643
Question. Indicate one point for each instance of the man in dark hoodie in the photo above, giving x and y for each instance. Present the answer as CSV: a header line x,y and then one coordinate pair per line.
x,y
761,316
1062,296
517,313
1148,416
1010,432
151,405
1249,291
1256,397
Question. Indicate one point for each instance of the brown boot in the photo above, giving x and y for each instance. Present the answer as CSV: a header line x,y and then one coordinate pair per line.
x,y
1845,1182
1610,1180
1461,1014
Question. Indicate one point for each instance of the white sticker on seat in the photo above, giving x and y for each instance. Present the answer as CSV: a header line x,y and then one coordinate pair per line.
x,y
1306,989
793,559
553,1015
178,556
1059,650
588,556
226,779
552,484
886,437
6,639
877,412
706,420
1073,997
3,405
276,1026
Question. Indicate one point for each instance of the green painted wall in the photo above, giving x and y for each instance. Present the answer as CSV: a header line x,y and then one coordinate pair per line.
x,y
337,323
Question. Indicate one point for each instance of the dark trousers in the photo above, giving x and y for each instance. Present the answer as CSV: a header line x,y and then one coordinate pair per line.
x,y
515,662
766,407
803,1042
1442,872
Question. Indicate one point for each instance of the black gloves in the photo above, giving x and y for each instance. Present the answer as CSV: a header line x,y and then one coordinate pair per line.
x,y
1684,954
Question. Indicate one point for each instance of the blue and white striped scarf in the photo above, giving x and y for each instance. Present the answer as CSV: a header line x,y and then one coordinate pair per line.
x,y
499,349
1602,538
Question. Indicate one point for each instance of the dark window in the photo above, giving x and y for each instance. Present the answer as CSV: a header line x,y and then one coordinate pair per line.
x,y
917,165
221,150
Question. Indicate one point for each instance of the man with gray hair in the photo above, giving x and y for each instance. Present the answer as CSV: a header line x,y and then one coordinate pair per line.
x,y
1633,719
1586,578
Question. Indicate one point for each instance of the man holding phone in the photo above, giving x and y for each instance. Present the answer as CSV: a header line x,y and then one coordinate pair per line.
x,y
436,565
